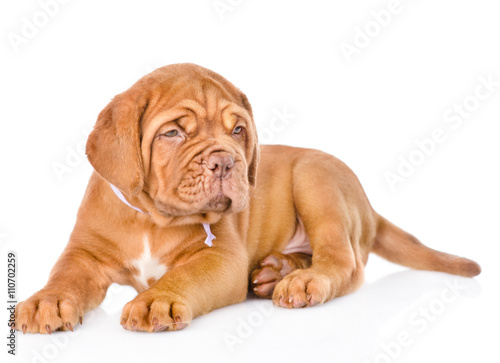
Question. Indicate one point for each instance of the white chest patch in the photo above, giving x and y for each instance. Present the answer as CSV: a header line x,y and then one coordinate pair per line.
x,y
148,267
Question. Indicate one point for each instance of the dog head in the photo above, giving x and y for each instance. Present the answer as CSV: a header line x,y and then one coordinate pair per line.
x,y
184,136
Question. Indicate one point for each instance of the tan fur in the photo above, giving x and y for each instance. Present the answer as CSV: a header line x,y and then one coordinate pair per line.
x,y
253,212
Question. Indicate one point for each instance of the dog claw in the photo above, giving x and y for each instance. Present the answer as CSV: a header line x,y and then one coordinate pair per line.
x,y
179,323
47,327
159,328
81,320
122,322
24,329
68,325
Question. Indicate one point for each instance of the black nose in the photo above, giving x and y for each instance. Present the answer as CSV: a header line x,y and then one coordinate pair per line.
x,y
221,164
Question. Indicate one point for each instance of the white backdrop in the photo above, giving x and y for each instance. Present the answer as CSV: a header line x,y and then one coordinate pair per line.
x,y
405,92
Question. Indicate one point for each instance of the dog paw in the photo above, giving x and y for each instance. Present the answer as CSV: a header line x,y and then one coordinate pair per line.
x,y
47,311
272,269
155,311
302,288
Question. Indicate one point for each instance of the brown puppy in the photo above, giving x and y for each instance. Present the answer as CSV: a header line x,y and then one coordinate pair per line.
x,y
176,159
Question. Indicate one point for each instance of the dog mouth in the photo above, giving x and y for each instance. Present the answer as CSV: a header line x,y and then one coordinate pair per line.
x,y
219,203
219,196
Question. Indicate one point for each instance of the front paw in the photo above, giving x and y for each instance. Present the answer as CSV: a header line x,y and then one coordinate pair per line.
x,y
47,311
303,288
155,311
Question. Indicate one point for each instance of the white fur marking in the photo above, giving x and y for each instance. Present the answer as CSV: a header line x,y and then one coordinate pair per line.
x,y
148,266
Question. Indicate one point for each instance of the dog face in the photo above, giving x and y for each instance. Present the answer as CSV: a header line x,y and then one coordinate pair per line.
x,y
184,136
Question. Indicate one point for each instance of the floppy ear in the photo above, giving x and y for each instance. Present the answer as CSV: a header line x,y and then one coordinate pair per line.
x,y
252,166
113,147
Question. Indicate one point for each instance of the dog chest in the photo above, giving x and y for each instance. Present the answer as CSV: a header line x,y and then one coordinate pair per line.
x,y
149,268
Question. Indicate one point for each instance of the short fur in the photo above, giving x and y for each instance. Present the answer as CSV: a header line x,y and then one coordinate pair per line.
x,y
173,145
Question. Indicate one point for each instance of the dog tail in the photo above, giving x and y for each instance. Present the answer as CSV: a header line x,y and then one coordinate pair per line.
x,y
398,246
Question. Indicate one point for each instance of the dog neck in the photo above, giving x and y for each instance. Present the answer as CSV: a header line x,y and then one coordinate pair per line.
x,y
206,226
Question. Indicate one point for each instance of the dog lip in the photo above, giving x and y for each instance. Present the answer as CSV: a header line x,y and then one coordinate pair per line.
x,y
219,203
220,198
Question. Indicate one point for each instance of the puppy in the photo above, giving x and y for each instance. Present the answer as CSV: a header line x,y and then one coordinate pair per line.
x,y
174,209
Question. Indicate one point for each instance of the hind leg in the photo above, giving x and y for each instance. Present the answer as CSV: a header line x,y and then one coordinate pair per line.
x,y
335,271
273,269
340,225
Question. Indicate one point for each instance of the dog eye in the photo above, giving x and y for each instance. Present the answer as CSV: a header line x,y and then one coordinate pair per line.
x,y
237,130
171,133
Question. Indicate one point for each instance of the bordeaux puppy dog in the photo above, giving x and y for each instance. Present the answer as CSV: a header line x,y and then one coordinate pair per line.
x,y
176,162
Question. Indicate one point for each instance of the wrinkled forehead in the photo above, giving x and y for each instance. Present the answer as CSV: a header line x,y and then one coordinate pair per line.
x,y
206,100
191,91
